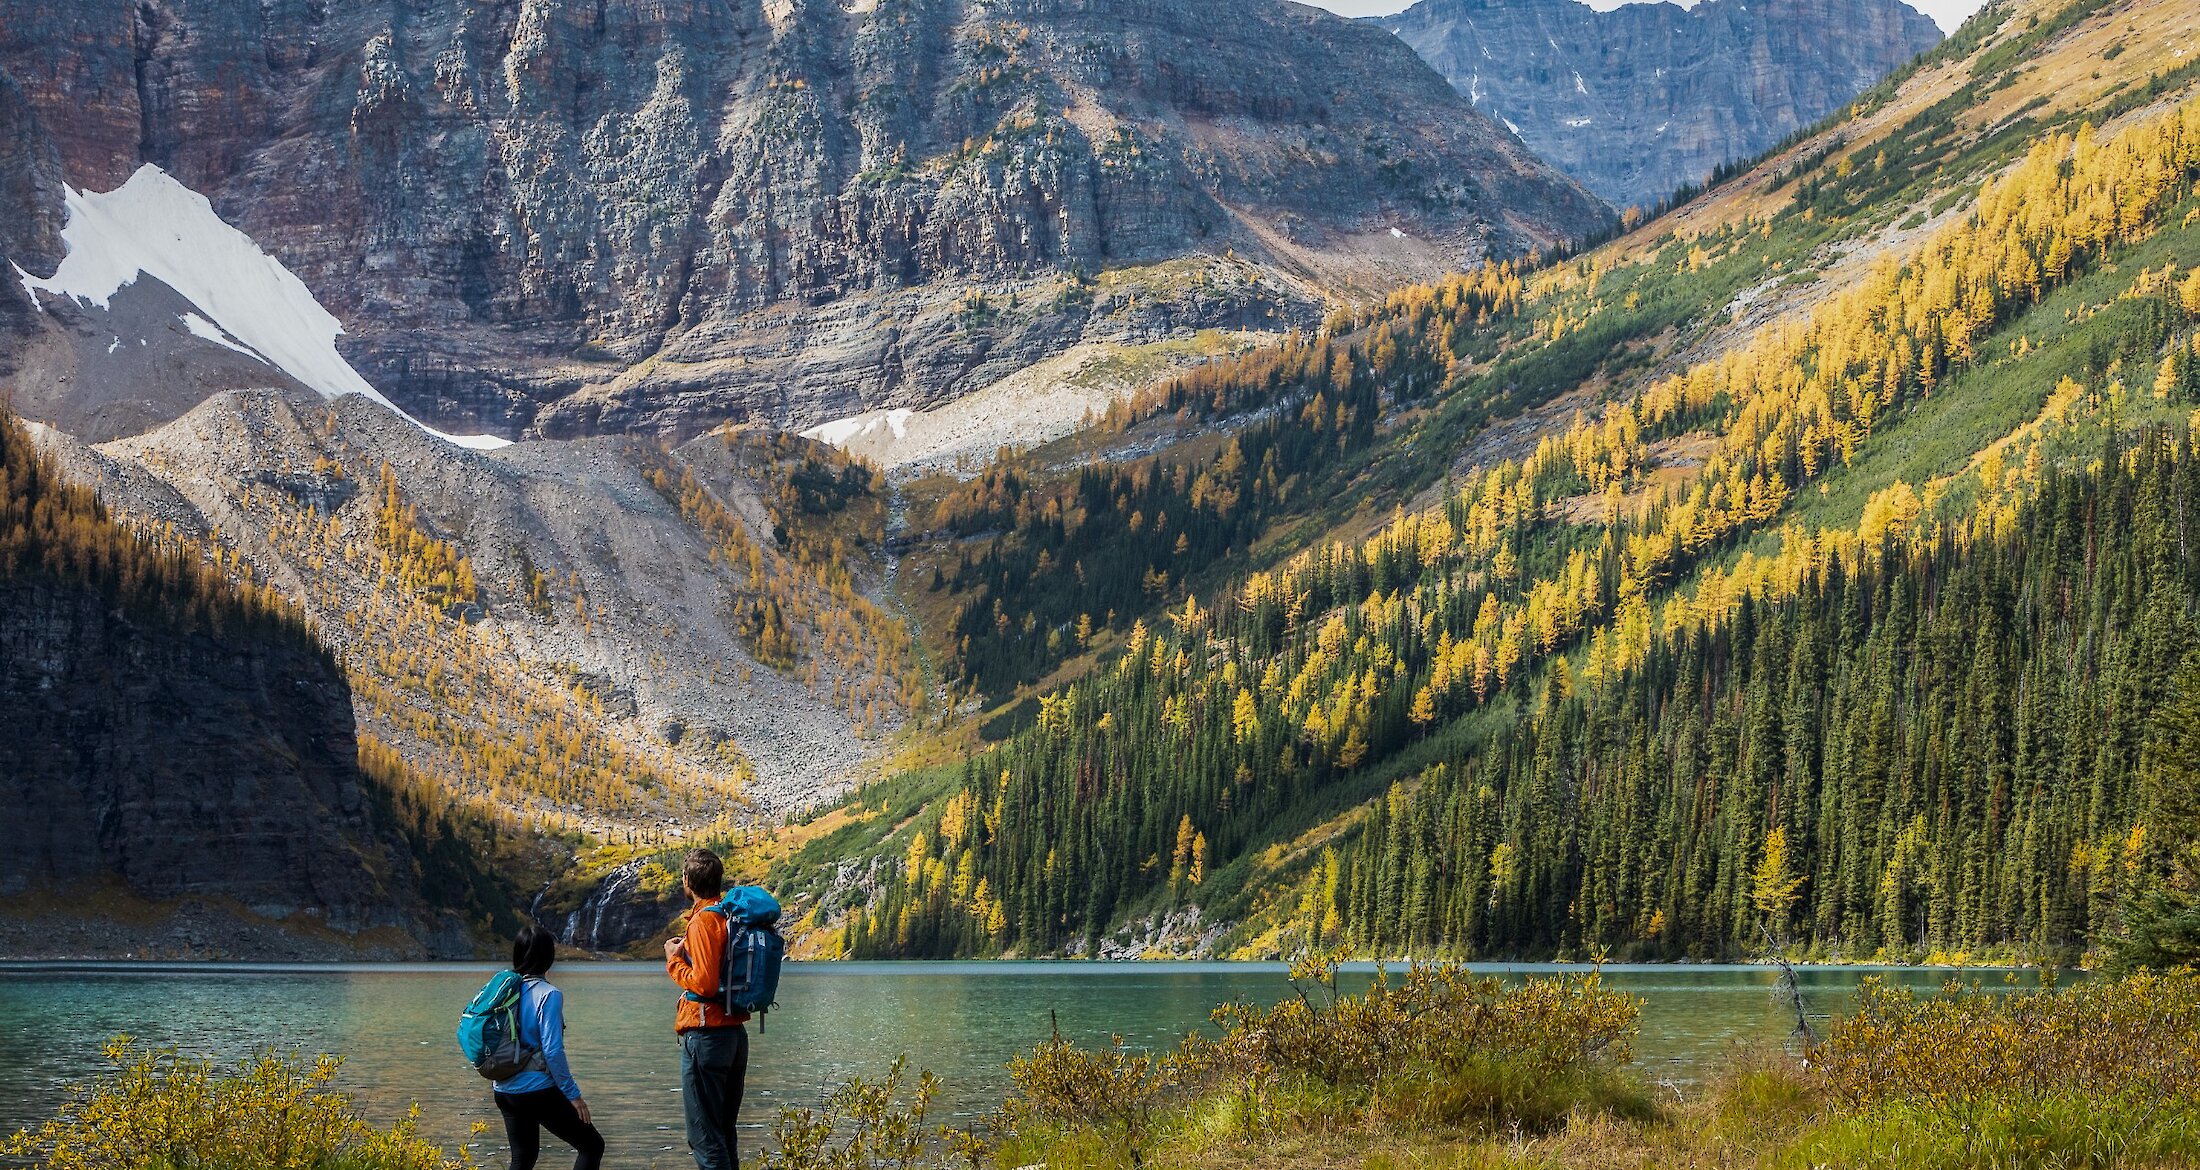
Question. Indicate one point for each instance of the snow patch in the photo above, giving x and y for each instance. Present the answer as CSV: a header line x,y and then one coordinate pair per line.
x,y
841,431
1395,234
154,225
1578,87
1509,126
1577,123
114,345
206,330
29,282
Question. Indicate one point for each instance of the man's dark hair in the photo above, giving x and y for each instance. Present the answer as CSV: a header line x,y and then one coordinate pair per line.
x,y
534,950
705,874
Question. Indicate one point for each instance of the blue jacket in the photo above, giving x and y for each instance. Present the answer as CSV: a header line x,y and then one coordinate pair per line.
x,y
542,1027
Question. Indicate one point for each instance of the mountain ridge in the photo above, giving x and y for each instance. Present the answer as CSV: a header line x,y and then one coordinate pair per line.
x,y
183,743
543,219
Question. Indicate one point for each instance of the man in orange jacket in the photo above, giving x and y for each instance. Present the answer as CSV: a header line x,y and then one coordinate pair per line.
x,y
714,1047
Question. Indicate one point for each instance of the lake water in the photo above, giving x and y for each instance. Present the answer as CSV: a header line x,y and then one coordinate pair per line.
x,y
393,1024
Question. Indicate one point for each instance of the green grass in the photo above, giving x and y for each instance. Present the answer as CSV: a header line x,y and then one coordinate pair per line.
x,y
2003,1133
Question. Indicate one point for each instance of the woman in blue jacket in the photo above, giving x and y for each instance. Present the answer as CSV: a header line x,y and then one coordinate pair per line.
x,y
544,1097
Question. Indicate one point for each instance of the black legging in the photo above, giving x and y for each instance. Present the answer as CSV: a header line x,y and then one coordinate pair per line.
x,y
526,1115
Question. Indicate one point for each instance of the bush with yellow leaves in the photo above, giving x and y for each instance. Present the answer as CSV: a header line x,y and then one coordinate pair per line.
x,y
1439,1051
2137,1034
874,1125
2101,1074
158,1110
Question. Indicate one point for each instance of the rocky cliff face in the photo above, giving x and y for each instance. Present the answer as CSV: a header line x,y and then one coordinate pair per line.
x,y
562,216
30,188
613,913
1639,100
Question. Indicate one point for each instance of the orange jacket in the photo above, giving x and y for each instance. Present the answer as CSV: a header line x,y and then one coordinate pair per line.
x,y
697,969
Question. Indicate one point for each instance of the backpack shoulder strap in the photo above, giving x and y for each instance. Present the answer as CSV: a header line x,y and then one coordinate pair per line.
x,y
526,992
535,1060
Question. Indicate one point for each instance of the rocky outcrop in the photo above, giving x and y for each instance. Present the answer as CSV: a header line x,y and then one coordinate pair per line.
x,y
97,711
1639,100
561,217
30,182
30,231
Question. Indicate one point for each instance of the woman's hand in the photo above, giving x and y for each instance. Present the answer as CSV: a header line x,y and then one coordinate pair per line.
x,y
581,1107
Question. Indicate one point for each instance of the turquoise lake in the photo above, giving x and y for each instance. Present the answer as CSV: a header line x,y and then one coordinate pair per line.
x,y
393,1024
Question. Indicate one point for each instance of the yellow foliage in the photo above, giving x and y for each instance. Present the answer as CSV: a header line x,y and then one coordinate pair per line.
x,y
157,1108
2139,1035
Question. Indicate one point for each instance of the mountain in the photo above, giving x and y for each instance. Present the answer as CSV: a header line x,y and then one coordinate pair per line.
x,y
1637,101
471,589
616,637
561,218
1799,566
1803,560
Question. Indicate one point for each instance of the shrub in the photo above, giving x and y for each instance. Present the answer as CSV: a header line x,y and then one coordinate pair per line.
x,y
2135,1035
161,1111
2101,1074
1440,1015
1438,1050
874,1125
1063,1083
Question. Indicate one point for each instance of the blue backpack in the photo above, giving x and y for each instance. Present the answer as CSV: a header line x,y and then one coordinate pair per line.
x,y
748,980
489,1029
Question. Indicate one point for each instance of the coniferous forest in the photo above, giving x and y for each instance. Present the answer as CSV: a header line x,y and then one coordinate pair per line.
x,y
1953,744
1580,706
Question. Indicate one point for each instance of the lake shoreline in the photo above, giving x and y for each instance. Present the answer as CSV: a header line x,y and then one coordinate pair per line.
x,y
838,1019
94,965
1656,1065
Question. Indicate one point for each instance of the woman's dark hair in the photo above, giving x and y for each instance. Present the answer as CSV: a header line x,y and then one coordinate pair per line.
x,y
534,950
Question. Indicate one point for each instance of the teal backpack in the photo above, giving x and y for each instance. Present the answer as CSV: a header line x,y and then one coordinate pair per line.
x,y
489,1031
748,980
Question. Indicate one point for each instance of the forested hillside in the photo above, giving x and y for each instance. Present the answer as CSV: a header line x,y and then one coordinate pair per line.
x,y
1950,740
1601,682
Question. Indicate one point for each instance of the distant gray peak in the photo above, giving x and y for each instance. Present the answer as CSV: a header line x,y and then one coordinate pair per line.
x,y
1640,99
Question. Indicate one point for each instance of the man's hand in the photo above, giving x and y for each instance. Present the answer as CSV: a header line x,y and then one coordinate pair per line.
x,y
581,1107
675,948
